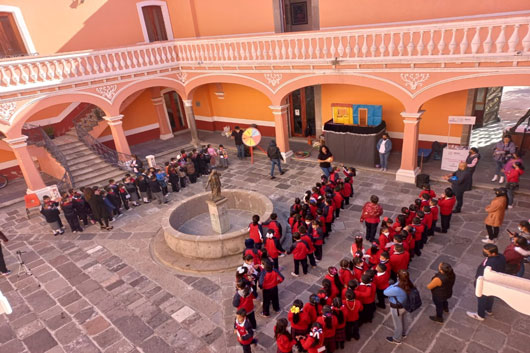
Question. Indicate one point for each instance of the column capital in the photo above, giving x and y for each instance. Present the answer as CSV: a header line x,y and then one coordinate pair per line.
x,y
113,120
188,102
157,100
411,116
17,142
279,109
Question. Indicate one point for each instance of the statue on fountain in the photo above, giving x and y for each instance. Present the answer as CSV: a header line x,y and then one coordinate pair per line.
x,y
214,182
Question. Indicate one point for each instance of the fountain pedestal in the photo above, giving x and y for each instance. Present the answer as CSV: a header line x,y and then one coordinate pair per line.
x,y
219,215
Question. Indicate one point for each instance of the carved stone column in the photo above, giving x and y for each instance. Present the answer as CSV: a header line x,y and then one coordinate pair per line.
x,y
25,162
188,108
409,153
281,129
116,128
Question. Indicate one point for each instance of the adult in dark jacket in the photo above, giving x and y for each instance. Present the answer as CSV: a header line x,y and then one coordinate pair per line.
x,y
460,183
97,205
274,154
471,161
441,288
3,268
497,262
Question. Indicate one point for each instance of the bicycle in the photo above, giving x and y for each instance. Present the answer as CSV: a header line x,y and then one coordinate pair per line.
x,y
3,181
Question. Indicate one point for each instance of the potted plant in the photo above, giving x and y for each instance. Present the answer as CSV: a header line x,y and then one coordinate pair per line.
x,y
50,131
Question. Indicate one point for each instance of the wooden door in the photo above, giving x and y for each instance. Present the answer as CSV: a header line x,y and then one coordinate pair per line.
x,y
154,23
175,111
11,43
302,112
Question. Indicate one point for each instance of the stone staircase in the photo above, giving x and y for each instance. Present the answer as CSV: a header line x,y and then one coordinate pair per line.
x,y
86,167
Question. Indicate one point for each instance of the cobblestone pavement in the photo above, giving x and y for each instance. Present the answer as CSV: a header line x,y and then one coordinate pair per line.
x,y
102,291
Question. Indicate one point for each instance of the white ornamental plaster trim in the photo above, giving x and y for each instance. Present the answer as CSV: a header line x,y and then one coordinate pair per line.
x,y
182,76
107,91
7,110
414,80
273,79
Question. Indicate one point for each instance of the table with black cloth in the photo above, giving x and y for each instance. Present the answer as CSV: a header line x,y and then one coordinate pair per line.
x,y
354,144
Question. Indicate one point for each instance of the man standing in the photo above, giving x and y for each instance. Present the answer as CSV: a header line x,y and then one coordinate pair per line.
x,y
459,183
384,146
497,262
237,134
471,162
273,152
3,268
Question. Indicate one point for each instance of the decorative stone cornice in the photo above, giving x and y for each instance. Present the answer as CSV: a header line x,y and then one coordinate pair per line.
x,y
114,120
414,80
7,110
107,91
17,142
273,78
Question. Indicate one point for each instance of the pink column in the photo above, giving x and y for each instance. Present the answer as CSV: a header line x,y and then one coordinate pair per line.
x,y
25,162
409,153
116,128
190,115
163,120
281,129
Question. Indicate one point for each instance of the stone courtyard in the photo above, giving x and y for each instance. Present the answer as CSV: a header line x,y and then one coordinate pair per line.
x,y
103,292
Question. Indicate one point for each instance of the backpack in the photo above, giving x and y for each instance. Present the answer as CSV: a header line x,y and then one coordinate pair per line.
x,y
413,301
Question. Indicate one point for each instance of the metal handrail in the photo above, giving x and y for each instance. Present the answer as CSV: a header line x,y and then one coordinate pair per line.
x,y
83,125
38,137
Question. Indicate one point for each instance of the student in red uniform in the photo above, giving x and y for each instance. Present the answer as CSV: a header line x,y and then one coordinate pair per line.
x,y
314,341
333,276
427,221
273,247
256,231
446,203
352,285
370,216
433,204
243,330
244,299
353,307
306,239
374,252
399,260
357,246
512,180
412,213
385,259
312,308
250,249
268,282
272,223
329,292
426,189
347,190
384,237
345,273
322,220
340,312
337,201
299,319
366,294
418,233
284,340
425,199
299,250
381,283
317,239
358,268
329,211
297,206
329,326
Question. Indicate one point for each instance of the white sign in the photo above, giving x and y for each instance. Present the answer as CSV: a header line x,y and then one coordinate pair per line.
x,y
297,112
464,120
451,158
52,191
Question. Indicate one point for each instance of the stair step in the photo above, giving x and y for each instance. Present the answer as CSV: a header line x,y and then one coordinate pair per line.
x,y
97,173
100,180
74,149
69,145
78,154
91,162
82,171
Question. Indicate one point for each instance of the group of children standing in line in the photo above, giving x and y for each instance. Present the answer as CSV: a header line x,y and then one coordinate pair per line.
x,y
104,204
347,298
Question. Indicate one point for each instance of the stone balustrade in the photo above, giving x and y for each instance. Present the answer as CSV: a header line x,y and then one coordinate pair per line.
x,y
496,40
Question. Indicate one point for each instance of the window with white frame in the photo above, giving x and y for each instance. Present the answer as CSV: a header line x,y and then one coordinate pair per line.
x,y
14,35
154,19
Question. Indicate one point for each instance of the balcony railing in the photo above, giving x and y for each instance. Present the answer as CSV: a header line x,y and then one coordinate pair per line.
x,y
496,40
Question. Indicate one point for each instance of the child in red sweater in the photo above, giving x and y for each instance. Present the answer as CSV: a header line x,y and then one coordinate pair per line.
x,y
268,282
313,308
353,306
370,216
427,221
299,250
244,299
273,247
317,239
314,341
446,203
399,260
299,319
255,231
304,236
244,331
340,312
366,294
345,273
329,325
381,283
433,204
418,234
283,337
333,277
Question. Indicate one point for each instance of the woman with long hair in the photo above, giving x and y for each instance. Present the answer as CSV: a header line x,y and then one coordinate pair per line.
x,y
441,287
397,295
97,205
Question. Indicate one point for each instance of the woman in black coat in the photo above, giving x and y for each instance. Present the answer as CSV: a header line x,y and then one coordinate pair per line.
x,y
441,287
97,205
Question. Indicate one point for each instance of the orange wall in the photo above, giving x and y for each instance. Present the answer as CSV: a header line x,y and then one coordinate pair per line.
x,y
437,111
349,94
334,13
202,95
240,102
215,17
85,26
49,112
6,156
